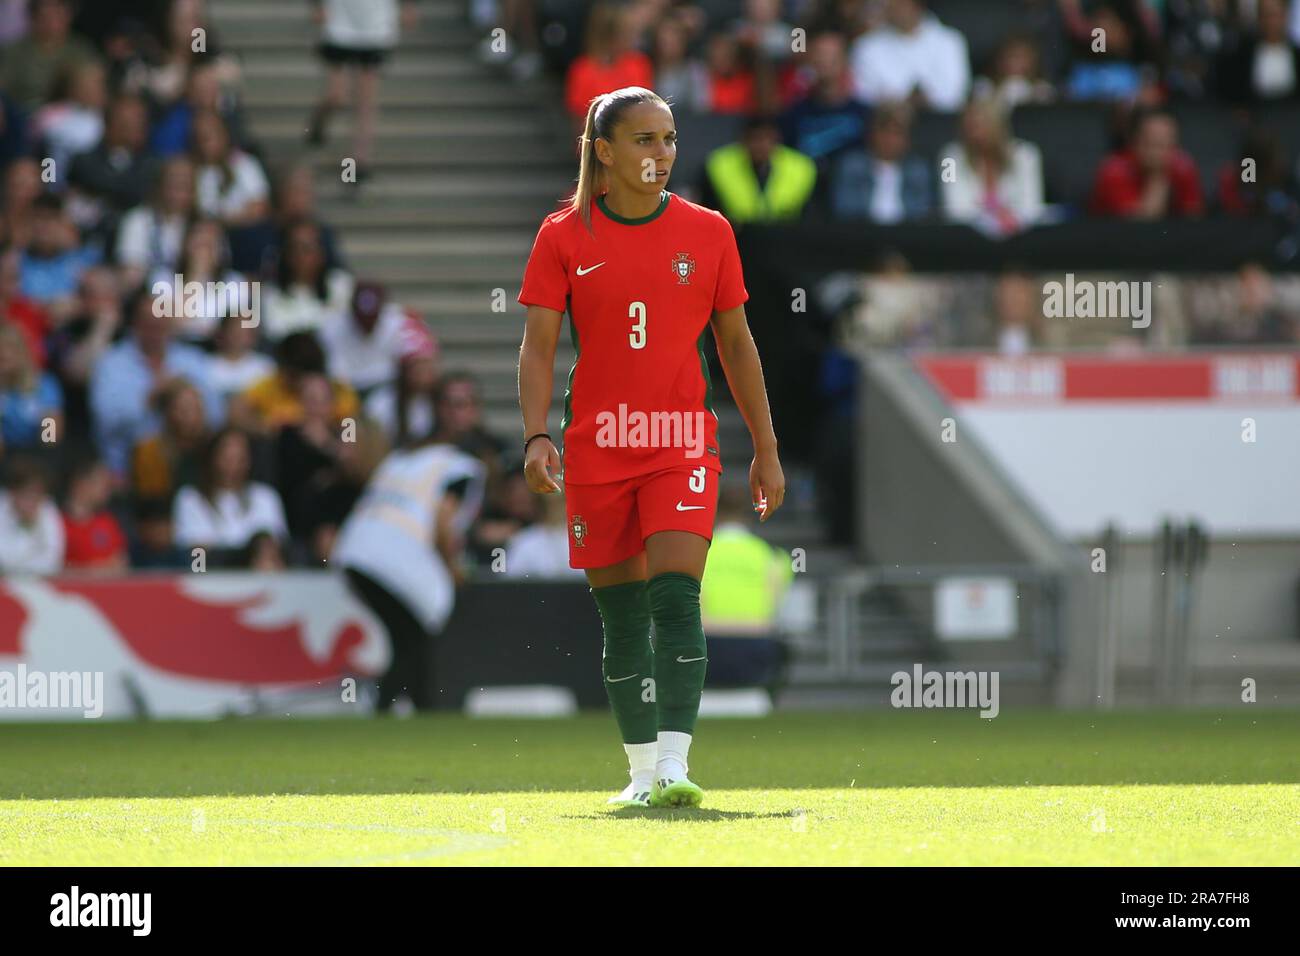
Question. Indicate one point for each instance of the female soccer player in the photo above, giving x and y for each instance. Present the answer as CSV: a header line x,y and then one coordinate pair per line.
x,y
641,273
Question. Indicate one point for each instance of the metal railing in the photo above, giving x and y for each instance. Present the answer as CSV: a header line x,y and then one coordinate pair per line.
x,y
862,624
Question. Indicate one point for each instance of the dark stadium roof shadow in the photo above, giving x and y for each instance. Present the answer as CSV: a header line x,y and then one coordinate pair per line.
x,y
450,754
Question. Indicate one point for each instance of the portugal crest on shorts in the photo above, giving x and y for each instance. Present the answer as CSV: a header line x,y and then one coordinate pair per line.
x,y
579,529
683,266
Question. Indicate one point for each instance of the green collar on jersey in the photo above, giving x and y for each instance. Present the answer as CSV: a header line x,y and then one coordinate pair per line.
x,y
624,221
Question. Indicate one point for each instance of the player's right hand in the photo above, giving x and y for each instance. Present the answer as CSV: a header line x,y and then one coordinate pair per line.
x,y
541,463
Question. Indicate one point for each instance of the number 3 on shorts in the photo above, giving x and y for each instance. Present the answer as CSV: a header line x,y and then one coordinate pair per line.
x,y
696,481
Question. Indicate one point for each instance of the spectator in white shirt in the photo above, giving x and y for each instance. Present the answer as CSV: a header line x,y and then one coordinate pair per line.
x,y
231,185
913,57
1016,74
74,122
364,345
542,550
989,179
151,237
220,291
31,529
226,509
235,363
306,296
1265,64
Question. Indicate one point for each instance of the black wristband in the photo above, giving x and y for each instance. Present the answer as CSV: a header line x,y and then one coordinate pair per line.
x,y
538,435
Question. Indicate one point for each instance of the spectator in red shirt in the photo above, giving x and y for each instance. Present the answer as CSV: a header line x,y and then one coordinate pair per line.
x,y
609,64
32,320
95,541
1152,178
732,84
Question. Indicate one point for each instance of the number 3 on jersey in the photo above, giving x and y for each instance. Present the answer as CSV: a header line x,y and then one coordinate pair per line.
x,y
637,336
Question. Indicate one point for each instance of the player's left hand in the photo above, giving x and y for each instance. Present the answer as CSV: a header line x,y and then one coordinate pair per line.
x,y
766,484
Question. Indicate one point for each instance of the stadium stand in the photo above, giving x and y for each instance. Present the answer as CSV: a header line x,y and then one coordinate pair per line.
x,y
205,165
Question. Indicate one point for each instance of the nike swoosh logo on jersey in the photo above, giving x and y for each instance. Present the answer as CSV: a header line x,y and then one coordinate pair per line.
x,y
582,272
615,680
688,660
682,507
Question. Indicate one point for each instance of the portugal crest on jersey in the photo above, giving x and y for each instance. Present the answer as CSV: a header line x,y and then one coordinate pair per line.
x,y
579,532
683,266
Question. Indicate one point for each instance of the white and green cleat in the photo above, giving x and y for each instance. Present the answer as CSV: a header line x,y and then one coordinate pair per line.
x,y
631,797
679,792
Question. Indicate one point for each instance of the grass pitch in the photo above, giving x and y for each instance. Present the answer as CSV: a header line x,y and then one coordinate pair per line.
x,y
844,788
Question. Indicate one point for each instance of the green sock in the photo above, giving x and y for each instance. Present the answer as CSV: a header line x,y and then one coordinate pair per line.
x,y
679,659
628,664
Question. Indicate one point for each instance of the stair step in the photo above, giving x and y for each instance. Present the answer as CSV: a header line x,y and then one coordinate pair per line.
x,y
426,115
290,126
296,18
408,154
451,245
276,94
411,287
468,184
257,66
536,204
456,39
472,145
406,166
420,221
392,132
487,273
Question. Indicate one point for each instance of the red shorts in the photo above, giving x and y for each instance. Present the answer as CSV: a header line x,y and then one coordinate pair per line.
x,y
609,523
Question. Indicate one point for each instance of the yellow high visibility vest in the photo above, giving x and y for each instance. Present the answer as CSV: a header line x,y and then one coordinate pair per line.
x,y
744,581
787,190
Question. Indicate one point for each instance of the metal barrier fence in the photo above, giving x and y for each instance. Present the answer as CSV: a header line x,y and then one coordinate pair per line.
x,y
863,624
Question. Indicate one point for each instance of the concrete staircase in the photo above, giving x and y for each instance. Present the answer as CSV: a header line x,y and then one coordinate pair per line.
x,y
467,162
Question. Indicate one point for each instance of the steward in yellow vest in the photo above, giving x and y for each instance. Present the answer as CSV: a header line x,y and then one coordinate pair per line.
x,y
758,179
744,584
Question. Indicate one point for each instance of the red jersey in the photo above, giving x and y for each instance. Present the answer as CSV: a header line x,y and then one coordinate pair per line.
x,y
1118,188
34,323
589,78
93,540
640,294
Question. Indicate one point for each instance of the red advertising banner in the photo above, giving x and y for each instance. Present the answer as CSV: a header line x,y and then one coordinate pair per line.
x,y
183,645
1220,377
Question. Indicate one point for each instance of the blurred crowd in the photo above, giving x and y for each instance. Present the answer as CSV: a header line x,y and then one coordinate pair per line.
x,y
892,306
827,96
999,115
830,90
729,56
143,416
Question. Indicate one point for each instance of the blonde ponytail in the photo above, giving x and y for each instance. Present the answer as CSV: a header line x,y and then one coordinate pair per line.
x,y
589,170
